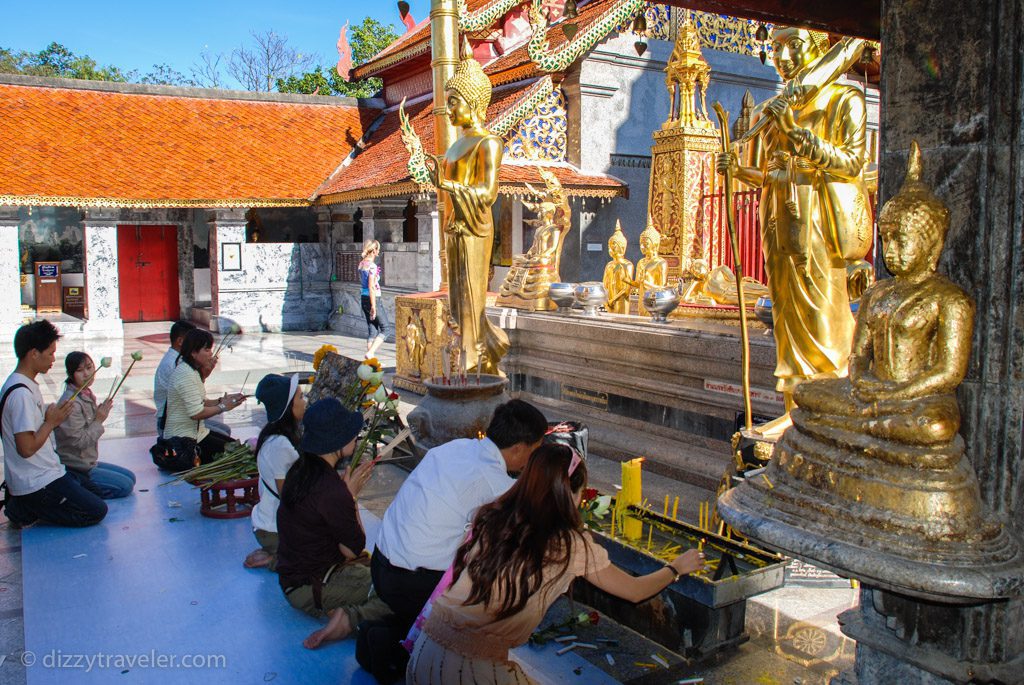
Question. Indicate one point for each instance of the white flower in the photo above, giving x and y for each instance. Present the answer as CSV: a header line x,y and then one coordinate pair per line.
x,y
380,395
364,372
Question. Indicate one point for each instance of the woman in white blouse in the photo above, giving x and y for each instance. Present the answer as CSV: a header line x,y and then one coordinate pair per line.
x,y
187,404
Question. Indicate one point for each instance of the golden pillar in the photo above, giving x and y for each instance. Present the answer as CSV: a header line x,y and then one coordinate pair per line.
x,y
444,51
683,156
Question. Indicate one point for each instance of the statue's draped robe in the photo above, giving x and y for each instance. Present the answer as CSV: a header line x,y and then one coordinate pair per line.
x,y
806,255
469,231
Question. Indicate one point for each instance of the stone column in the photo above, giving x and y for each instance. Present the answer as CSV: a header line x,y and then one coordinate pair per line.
x,y
369,220
963,104
428,262
186,266
226,226
10,274
102,292
389,219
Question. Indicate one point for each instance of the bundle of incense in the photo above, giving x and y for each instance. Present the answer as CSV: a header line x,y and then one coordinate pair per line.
x,y
242,391
104,364
234,331
136,356
112,385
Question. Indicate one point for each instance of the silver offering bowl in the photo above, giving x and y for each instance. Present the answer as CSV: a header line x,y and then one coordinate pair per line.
x,y
661,302
591,295
763,310
563,295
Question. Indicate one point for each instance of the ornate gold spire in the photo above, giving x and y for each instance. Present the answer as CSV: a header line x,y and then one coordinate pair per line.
x,y
687,78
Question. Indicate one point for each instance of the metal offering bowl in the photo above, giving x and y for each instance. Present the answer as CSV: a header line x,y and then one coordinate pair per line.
x,y
591,295
563,295
763,310
661,302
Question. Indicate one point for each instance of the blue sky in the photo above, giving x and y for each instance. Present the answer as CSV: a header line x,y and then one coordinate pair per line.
x,y
138,35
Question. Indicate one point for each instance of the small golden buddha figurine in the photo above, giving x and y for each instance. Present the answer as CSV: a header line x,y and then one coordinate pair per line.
x,y
652,269
618,274
468,176
415,343
883,443
527,283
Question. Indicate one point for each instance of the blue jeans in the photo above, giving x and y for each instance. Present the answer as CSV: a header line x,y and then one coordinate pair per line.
x,y
107,481
64,502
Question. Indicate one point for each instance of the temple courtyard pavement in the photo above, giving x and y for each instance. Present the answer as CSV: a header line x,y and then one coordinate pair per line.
x,y
156,587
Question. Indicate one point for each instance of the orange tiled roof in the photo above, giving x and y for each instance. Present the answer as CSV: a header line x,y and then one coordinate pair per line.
x,y
414,41
105,146
513,65
380,169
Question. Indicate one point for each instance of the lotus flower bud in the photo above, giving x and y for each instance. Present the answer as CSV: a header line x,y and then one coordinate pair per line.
x,y
380,394
105,362
364,372
137,356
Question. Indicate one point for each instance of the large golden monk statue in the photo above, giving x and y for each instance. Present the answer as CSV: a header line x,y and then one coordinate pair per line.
x,y
814,207
468,173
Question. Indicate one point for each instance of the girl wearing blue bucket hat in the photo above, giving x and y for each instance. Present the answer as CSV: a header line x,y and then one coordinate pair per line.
x,y
322,564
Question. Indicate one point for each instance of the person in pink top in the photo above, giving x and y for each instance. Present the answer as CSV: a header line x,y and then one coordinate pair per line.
x,y
524,550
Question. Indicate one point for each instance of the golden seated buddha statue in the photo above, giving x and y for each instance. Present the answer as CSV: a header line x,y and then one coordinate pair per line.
x,y
874,461
527,283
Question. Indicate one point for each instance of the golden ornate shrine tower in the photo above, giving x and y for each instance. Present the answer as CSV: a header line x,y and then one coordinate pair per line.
x,y
683,155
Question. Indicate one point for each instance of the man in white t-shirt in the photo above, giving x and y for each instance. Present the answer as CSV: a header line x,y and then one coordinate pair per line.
x,y
162,379
428,519
37,483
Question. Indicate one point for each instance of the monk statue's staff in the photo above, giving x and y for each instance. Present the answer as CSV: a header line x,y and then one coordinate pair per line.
x,y
730,219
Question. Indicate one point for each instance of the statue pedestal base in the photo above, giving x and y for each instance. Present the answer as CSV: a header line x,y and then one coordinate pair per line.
x,y
449,412
428,311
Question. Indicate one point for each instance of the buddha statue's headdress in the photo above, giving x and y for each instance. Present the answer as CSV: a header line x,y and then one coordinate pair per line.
x,y
651,233
930,214
819,38
471,82
618,238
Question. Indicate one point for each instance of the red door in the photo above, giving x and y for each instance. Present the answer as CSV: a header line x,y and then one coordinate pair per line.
x,y
147,259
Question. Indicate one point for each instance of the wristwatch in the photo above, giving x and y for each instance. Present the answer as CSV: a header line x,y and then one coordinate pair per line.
x,y
220,405
676,575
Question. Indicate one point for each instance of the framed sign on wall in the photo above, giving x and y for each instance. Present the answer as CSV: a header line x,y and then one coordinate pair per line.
x,y
231,256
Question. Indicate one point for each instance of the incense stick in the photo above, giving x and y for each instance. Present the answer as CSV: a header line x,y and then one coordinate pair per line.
x,y
242,391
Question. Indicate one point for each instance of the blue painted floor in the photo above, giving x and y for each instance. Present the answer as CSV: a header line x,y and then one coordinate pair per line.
x,y
121,601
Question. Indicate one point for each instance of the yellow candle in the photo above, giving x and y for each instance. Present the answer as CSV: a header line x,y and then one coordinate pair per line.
x,y
631,494
615,515
675,509
650,534
665,512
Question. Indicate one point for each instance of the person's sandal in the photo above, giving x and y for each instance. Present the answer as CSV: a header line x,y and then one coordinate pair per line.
x,y
258,558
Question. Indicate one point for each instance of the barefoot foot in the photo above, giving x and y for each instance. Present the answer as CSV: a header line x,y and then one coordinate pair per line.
x,y
259,558
338,628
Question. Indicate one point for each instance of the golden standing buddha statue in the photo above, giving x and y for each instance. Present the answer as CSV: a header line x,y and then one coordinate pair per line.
x,y
468,173
814,205
652,269
618,273
875,460
532,273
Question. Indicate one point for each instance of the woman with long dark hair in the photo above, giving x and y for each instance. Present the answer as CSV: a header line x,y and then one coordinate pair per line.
x,y
187,404
524,550
78,438
322,565
276,451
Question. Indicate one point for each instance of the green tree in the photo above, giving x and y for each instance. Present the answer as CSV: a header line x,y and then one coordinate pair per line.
x,y
366,39
57,60
166,75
